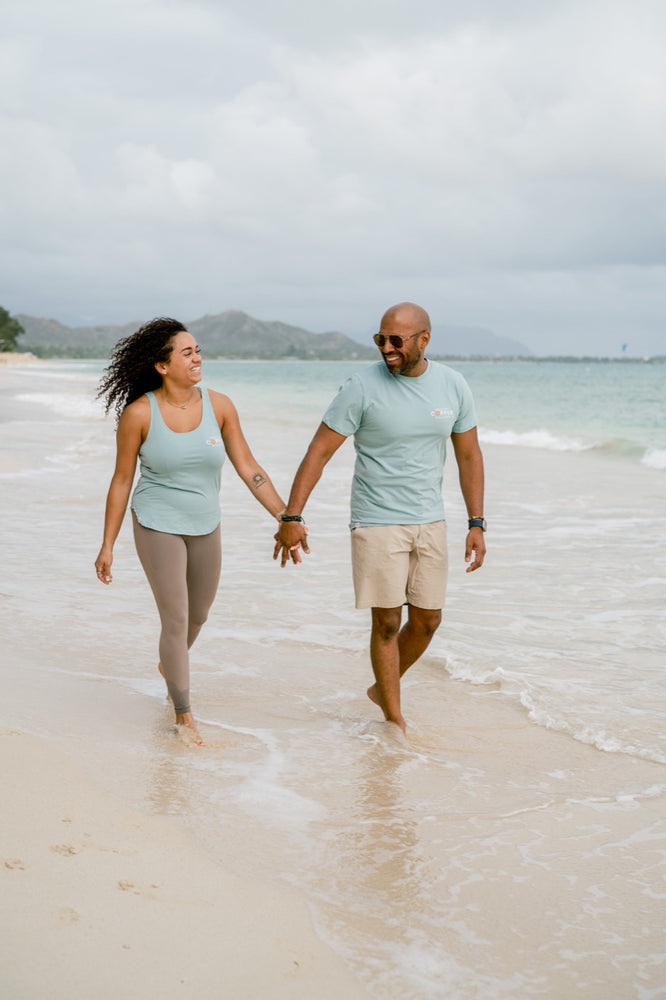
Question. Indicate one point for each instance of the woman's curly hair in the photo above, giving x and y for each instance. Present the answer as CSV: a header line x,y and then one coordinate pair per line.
x,y
131,371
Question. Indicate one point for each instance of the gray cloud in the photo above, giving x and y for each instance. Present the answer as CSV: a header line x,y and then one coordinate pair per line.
x,y
507,166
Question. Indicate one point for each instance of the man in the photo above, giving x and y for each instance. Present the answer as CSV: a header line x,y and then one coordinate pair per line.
x,y
401,412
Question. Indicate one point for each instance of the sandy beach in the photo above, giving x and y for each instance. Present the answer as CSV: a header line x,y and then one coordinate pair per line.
x,y
102,899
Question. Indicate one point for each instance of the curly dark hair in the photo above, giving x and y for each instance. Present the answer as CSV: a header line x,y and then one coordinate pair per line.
x,y
131,371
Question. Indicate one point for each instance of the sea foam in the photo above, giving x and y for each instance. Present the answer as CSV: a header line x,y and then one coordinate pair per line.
x,y
655,458
65,405
533,439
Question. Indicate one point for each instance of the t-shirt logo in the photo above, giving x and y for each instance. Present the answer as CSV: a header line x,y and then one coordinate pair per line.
x,y
441,413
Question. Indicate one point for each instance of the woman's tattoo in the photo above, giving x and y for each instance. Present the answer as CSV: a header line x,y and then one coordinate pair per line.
x,y
258,480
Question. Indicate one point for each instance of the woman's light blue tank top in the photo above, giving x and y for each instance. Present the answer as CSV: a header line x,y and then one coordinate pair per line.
x,y
178,491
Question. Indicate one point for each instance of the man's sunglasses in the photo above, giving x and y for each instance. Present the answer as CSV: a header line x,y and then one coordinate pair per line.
x,y
380,339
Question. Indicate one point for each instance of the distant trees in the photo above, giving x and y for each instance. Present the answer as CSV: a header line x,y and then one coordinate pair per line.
x,y
10,331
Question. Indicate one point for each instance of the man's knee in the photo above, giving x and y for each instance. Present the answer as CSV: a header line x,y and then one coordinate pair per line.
x,y
386,623
425,621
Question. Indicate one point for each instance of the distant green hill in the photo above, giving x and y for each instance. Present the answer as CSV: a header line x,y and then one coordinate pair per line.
x,y
234,334
231,334
47,338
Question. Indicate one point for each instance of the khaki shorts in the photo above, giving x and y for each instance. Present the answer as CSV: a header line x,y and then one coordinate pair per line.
x,y
398,564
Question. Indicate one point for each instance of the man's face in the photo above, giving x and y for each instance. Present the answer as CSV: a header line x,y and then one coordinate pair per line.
x,y
407,359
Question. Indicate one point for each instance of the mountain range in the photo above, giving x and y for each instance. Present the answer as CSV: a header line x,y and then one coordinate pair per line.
x,y
234,334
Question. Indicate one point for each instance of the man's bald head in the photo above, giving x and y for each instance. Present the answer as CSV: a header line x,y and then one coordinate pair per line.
x,y
408,313
404,334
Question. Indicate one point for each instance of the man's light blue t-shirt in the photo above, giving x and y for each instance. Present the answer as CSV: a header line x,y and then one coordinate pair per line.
x,y
400,425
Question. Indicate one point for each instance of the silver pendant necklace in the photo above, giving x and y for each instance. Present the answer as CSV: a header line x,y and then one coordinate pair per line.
x,y
180,406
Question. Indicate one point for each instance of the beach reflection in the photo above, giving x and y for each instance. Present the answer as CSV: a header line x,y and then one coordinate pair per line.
x,y
382,838
169,781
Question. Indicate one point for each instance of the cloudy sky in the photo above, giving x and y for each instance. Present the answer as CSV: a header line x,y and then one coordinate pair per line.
x,y
502,162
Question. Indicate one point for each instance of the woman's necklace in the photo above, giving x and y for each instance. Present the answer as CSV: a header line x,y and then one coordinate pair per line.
x,y
180,406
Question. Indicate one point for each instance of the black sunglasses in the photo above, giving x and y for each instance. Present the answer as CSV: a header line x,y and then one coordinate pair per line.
x,y
380,338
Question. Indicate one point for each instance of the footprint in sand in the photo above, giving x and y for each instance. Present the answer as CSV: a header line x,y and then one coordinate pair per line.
x,y
67,915
127,886
67,850
14,864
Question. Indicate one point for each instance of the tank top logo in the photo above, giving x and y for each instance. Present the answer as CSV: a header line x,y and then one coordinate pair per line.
x,y
213,442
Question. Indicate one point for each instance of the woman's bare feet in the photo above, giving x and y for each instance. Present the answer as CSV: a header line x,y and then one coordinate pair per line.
x,y
186,720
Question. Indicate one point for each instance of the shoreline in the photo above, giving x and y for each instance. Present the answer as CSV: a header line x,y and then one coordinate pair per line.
x,y
19,358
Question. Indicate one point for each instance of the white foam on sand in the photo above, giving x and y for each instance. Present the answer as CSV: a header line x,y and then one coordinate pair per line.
x,y
69,405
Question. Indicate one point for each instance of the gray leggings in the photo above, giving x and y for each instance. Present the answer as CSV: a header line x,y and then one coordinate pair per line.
x,y
183,572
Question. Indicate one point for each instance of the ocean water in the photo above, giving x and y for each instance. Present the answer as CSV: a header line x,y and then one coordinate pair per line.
x,y
513,846
617,409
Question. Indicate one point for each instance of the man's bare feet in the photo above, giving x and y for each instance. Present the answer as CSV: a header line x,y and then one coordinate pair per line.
x,y
186,720
373,695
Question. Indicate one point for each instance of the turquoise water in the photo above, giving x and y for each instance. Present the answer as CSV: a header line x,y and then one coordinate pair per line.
x,y
572,405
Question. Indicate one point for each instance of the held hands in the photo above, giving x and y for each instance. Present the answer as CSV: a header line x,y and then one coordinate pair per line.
x,y
290,537
475,543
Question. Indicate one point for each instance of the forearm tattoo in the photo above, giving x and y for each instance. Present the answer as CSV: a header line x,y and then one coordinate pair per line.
x,y
258,480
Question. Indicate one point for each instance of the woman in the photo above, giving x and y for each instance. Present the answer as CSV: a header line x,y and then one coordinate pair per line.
x,y
180,433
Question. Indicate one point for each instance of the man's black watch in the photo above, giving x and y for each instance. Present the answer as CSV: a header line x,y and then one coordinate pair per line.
x,y
291,517
477,522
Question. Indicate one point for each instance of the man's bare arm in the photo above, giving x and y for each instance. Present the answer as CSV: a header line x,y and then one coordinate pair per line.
x,y
470,473
292,534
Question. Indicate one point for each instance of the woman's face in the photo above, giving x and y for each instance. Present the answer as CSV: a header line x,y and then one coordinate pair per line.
x,y
184,365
